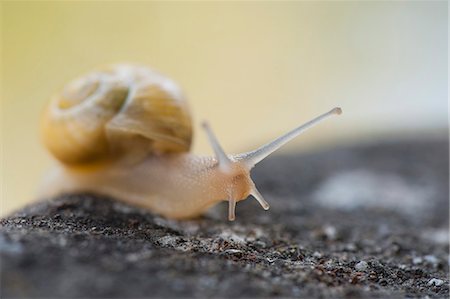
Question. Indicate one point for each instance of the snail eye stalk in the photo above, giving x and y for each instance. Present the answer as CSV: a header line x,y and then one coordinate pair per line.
x,y
254,157
224,161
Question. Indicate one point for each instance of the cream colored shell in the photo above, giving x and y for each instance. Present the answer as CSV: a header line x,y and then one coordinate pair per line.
x,y
119,112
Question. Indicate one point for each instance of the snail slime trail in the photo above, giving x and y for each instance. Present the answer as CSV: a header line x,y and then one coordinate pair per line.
x,y
125,131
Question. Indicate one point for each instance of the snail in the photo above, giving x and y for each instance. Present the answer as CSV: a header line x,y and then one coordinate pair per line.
x,y
125,131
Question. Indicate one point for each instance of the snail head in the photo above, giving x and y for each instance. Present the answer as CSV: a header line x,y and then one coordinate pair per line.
x,y
236,168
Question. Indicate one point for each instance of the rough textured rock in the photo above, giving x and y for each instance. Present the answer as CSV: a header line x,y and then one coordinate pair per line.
x,y
367,221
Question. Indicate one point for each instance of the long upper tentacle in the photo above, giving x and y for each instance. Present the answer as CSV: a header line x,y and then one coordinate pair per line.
x,y
253,157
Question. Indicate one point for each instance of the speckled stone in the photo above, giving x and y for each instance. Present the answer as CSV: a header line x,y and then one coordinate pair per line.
x,y
306,245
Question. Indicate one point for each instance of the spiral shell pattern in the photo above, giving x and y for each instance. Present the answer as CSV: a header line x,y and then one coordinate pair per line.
x,y
119,112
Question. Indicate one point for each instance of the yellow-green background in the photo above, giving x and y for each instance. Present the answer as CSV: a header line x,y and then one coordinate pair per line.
x,y
254,69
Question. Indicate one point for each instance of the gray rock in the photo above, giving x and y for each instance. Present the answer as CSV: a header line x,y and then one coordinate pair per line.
x,y
86,245
435,282
431,259
361,266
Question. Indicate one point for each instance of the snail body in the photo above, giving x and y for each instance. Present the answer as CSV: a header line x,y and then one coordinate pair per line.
x,y
174,185
126,131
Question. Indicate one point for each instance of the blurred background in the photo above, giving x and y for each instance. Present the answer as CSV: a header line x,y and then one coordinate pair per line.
x,y
253,69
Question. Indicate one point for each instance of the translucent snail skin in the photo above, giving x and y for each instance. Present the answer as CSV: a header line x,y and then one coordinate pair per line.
x,y
125,131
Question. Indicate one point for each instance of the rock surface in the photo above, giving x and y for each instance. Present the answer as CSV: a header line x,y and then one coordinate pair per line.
x,y
367,221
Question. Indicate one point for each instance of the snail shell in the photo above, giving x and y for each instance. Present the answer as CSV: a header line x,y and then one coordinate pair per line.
x,y
121,112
